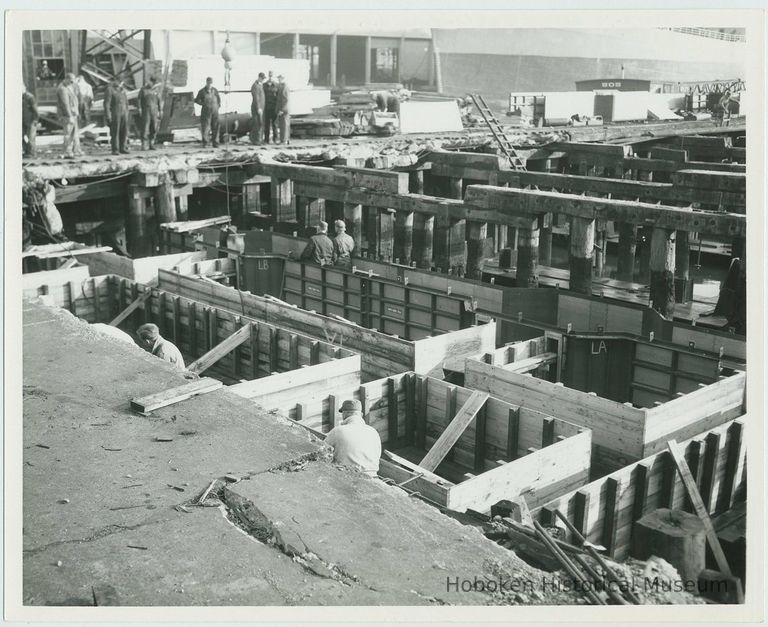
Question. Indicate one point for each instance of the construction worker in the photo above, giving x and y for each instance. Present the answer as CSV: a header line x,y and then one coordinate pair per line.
x,y
85,99
67,105
355,444
45,74
724,105
29,118
116,115
149,107
343,245
320,247
210,101
270,109
257,109
283,112
151,341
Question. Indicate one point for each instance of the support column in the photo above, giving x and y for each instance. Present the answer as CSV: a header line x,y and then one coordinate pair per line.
x,y
371,227
386,234
367,60
601,247
644,252
545,241
528,256
136,236
476,235
251,198
581,254
456,187
353,216
283,200
257,43
625,269
450,245
404,237
400,50
683,283
423,239
295,46
662,266
166,207
416,181
182,207
334,58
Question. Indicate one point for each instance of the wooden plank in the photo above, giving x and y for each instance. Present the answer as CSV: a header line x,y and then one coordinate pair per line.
x,y
641,481
513,432
333,410
293,351
547,432
410,407
580,513
532,363
255,350
273,348
392,418
711,464
414,467
314,353
453,432
610,526
422,387
176,320
123,315
192,322
175,395
728,482
217,352
480,426
699,507
96,301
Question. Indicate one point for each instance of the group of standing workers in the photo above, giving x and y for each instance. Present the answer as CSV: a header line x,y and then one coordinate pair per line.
x,y
270,114
325,251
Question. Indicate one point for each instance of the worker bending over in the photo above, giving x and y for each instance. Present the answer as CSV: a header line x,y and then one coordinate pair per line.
x,y
355,444
320,247
151,341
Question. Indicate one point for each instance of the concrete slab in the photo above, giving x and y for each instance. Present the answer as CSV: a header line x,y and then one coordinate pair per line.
x,y
97,484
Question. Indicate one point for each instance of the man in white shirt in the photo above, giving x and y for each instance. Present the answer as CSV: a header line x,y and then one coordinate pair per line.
x,y
355,444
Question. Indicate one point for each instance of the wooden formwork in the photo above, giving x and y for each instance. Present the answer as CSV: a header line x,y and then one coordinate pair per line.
x,y
507,451
410,312
622,433
558,308
605,510
381,354
196,328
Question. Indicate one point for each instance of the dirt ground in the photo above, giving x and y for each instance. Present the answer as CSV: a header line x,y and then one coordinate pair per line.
x,y
109,499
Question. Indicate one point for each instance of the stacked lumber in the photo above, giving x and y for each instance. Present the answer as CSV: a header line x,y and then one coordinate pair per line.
x,y
320,127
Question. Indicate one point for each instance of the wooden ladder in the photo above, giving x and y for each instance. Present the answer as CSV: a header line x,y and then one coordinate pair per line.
x,y
498,133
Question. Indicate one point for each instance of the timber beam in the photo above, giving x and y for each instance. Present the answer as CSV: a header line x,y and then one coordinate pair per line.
x,y
531,203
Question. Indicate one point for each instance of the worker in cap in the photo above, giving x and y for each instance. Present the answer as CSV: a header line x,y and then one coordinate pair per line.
x,y
151,341
116,114
270,108
343,245
319,248
209,100
283,110
257,109
355,444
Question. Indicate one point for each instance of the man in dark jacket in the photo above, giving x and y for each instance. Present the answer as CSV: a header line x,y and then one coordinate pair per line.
x,y
149,106
116,114
320,247
210,101
283,112
270,109
29,117
257,109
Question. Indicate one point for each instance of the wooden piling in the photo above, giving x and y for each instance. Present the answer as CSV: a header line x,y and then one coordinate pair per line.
x,y
423,240
476,235
581,254
283,200
545,244
625,270
386,218
456,188
137,238
662,266
683,291
166,206
416,181
404,236
353,216
528,256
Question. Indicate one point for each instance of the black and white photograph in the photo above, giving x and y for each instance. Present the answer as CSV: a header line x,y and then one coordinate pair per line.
x,y
349,315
